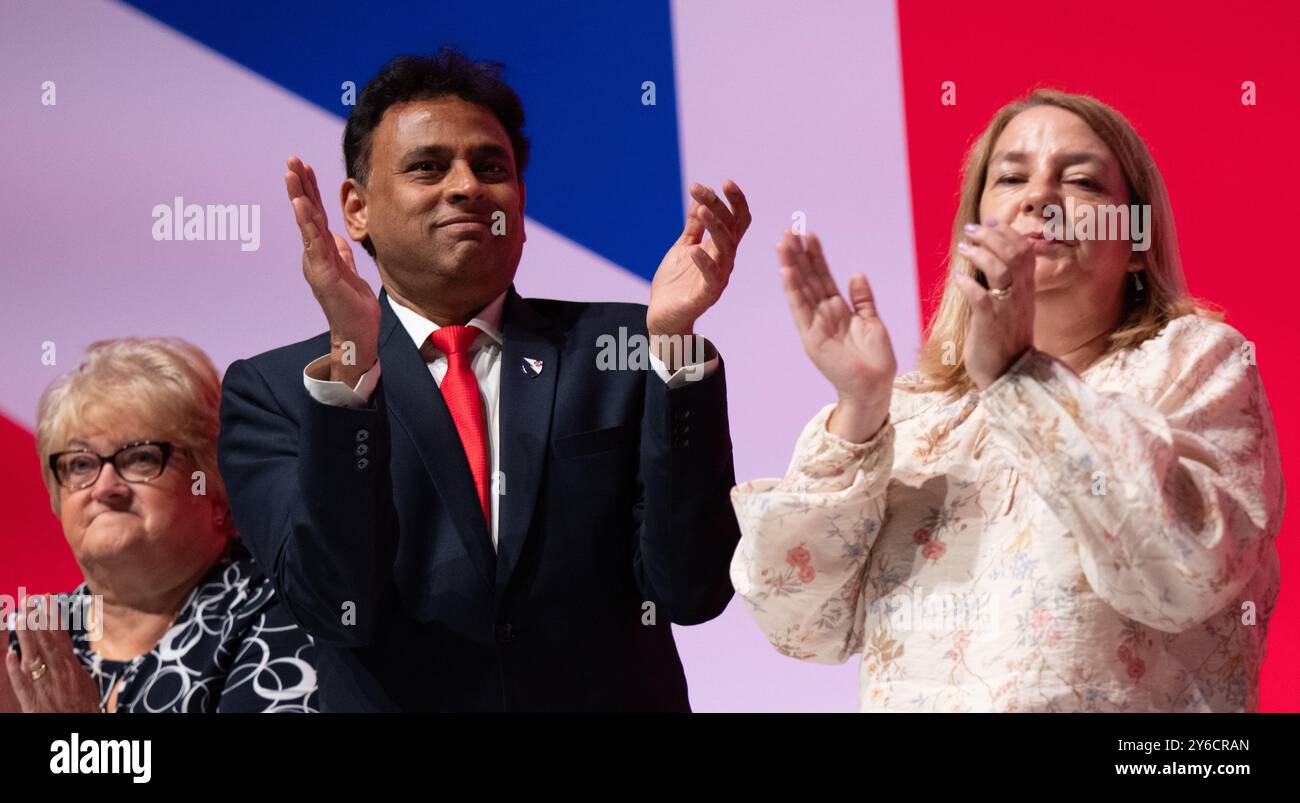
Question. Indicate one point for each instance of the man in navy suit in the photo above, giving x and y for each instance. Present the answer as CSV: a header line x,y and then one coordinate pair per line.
x,y
464,500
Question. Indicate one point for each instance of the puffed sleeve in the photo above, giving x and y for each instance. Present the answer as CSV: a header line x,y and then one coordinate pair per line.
x,y
805,540
1172,487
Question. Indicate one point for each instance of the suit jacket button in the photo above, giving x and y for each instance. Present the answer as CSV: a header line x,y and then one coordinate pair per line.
x,y
505,634
361,449
362,463
362,434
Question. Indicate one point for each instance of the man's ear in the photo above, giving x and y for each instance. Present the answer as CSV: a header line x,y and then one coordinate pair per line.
x,y
356,212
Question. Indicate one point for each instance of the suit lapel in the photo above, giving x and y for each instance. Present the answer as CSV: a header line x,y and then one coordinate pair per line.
x,y
527,399
415,402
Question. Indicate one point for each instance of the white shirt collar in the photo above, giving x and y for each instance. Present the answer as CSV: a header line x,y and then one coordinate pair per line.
x,y
420,327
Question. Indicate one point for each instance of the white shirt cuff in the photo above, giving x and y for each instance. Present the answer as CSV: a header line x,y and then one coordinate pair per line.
x,y
338,394
690,371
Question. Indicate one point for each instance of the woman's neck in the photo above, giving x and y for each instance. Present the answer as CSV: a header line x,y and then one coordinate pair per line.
x,y
1075,354
129,624
128,633
1075,333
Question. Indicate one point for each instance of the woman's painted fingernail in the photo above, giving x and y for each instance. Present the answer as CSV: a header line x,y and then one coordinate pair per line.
x,y
990,222
961,246
971,227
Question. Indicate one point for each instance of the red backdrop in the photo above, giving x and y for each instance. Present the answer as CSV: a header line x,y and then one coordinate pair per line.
x,y
1232,170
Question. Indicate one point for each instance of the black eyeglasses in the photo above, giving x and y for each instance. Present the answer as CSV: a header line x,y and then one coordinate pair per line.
x,y
140,461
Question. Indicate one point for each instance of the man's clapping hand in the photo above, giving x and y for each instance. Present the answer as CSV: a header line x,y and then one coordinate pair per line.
x,y
350,305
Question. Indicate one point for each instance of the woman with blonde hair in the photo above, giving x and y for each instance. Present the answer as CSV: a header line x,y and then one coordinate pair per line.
x,y
1071,504
173,615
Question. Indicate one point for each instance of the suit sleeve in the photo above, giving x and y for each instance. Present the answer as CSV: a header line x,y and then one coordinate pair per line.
x,y
687,528
312,498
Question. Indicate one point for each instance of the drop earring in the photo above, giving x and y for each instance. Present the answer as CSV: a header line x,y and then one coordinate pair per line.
x,y
1137,281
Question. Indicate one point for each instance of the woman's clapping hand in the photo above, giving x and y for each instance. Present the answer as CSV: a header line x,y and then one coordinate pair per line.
x,y
846,340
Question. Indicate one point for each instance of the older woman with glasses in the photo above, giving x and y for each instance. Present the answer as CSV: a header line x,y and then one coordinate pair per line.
x,y
173,615
1071,504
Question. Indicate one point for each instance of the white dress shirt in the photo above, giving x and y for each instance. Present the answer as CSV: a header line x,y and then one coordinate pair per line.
x,y
486,364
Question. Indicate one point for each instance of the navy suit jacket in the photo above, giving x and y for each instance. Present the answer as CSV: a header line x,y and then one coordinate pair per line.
x,y
616,521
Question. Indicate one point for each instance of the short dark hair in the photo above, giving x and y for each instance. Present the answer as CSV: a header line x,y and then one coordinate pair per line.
x,y
409,78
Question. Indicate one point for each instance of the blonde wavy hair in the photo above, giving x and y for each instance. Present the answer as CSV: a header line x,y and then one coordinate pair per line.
x,y
162,382
1165,295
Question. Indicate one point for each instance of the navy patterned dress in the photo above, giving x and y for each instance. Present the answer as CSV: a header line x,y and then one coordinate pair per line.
x,y
232,649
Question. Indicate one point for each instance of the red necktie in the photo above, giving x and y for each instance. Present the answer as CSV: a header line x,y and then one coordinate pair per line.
x,y
460,390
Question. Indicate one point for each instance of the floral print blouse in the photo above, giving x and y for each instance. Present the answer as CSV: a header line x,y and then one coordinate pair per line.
x,y
1055,542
